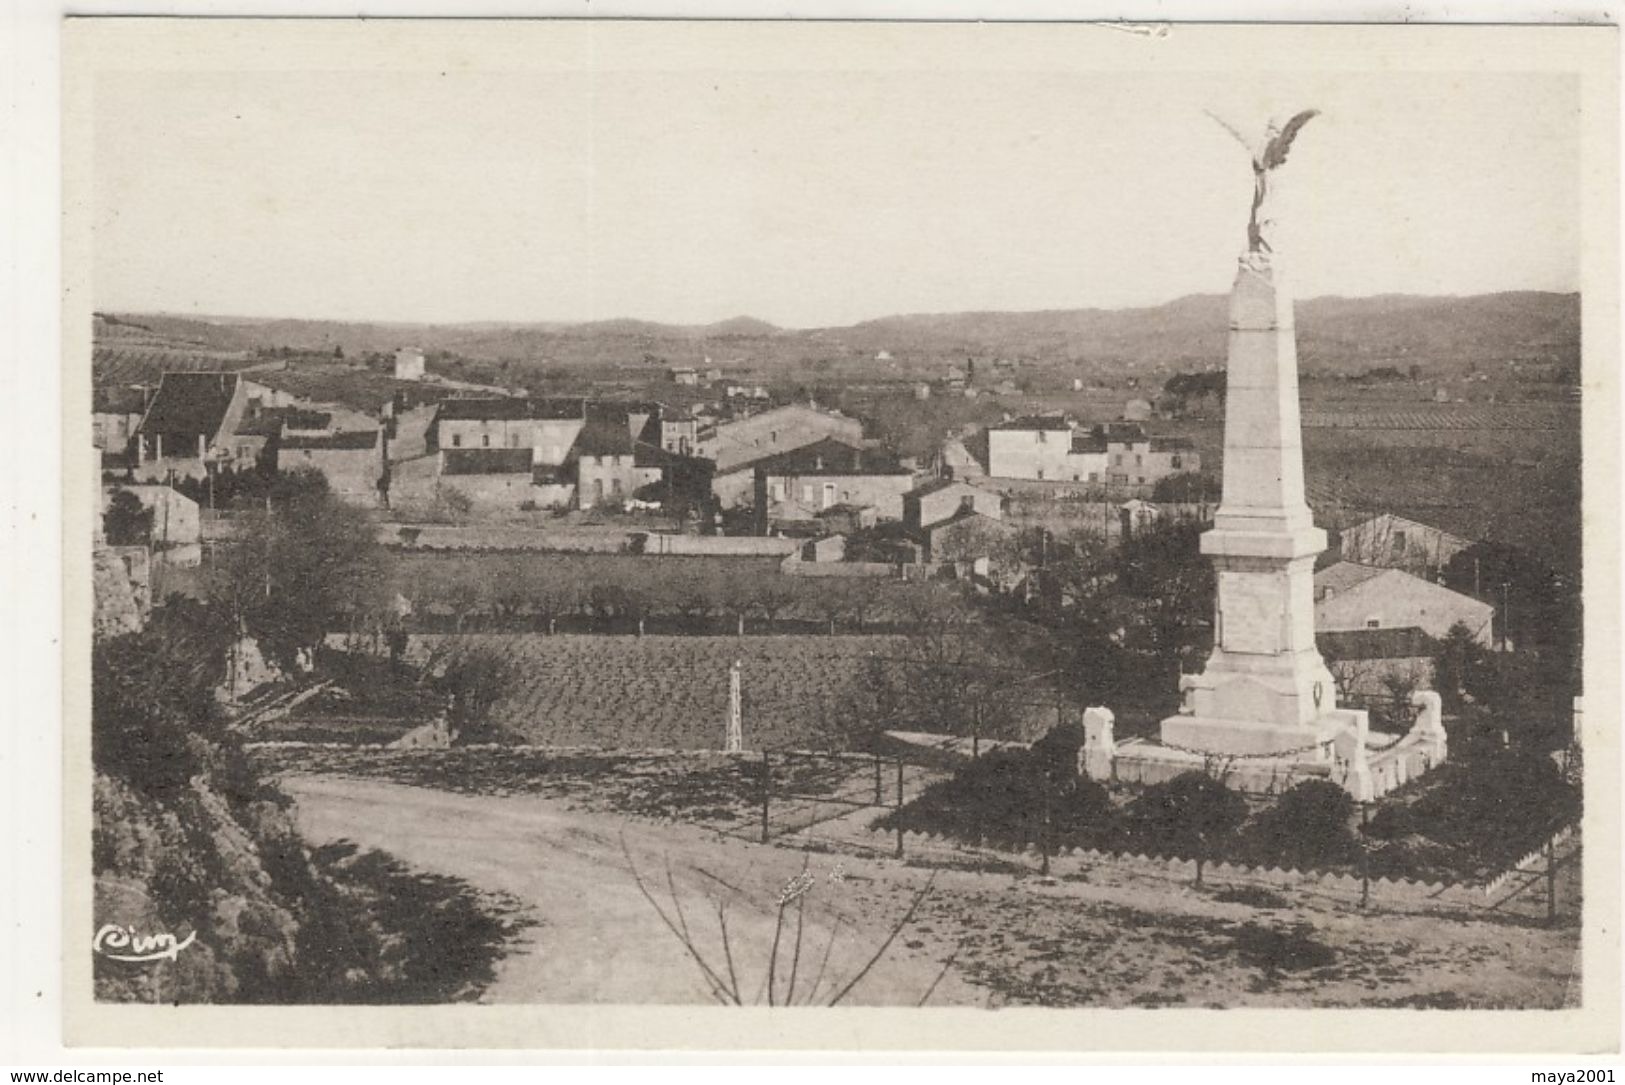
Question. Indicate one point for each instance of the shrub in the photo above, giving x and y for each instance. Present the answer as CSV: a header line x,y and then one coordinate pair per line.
x,y
1191,816
1308,827
1001,798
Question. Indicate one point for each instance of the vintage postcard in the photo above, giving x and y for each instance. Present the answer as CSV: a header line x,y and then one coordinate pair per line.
x,y
593,534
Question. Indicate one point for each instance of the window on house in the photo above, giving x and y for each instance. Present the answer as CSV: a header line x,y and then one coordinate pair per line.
x,y
1399,542
1373,623
457,440
1040,474
615,486
1176,463
1137,459
513,440
1042,436
806,493
485,440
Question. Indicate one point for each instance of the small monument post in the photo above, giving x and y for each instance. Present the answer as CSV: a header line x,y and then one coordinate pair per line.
x,y
735,742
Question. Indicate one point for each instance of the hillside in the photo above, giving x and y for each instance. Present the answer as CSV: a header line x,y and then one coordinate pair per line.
x,y
1446,334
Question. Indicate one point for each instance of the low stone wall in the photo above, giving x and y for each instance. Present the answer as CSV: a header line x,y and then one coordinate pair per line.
x,y
848,570
719,545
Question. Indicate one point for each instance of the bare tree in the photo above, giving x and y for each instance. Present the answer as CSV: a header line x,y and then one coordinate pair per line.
x,y
786,982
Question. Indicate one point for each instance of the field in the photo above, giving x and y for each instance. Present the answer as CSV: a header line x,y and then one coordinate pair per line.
x,y
661,692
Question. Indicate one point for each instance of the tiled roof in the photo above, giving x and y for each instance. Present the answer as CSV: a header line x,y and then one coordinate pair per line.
x,y
189,404
486,461
1407,642
509,409
1088,442
117,399
1172,444
1345,575
1120,432
936,485
831,457
1047,422
352,441
604,437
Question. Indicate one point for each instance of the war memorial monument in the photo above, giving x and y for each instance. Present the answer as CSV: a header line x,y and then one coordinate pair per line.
x,y
1264,711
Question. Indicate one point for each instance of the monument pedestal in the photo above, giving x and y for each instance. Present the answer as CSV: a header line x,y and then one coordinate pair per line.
x,y
1265,690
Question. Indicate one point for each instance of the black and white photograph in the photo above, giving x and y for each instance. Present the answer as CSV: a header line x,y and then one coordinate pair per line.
x,y
909,518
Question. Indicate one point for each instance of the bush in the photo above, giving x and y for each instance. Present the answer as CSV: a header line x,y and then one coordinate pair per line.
x,y
1308,827
1001,798
1191,816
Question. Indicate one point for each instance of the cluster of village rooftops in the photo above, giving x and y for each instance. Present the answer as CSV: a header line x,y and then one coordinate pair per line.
x,y
802,469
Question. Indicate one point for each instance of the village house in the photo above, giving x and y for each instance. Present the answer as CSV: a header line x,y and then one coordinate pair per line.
x,y
1046,448
683,374
547,428
1395,542
736,446
491,478
679,432
409,365
942,499
353,462
797,485
607,469
115,417
194,424
177,530
1350,596
966,536
1135,459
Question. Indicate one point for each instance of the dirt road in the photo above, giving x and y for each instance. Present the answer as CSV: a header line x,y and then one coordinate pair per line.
x,y
595,938
1108,937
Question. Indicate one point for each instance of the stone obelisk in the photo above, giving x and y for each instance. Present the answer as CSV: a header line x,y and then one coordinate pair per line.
x,y
1265,689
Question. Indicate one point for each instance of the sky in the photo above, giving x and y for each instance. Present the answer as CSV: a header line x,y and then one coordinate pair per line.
x,y
810,197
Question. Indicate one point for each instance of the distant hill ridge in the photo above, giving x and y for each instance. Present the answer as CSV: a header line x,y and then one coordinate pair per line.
x,y
1441,332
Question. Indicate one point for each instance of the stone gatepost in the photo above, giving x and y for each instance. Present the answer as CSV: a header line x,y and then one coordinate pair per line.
x,y
1099,752
1352,761
1428,730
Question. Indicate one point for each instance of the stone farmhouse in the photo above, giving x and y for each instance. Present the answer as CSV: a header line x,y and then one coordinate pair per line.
x,y
512,453
1135,459
968,536
942,499
115,416
354,461
177,530
1395,542
799,484
409,364
1352,597
737,446
1052,448
547,428
195,420
1045,448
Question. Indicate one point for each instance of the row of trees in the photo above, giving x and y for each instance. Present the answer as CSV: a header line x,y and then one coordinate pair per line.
x,y
545,593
